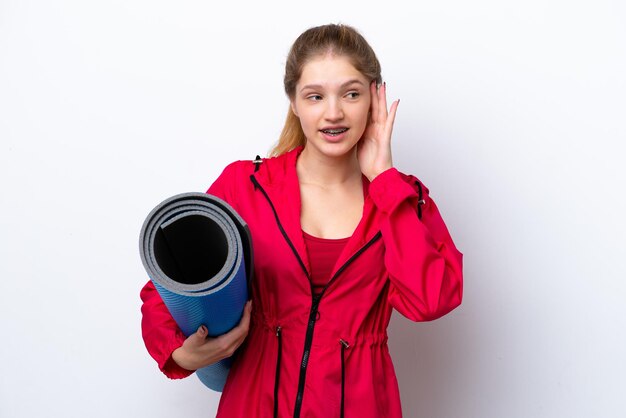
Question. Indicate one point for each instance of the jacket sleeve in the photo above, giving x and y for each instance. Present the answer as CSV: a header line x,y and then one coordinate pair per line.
x,y
424,266
161,334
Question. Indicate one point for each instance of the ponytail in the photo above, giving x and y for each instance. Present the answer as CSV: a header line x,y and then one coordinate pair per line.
x,y
291,137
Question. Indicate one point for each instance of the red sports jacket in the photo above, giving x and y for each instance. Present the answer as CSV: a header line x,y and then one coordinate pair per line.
x,y
323,356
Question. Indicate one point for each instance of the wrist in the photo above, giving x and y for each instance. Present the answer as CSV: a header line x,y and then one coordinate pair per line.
x,y
373,175
181,358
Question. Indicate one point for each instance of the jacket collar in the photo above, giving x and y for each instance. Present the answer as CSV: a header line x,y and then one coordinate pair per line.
x,y
278,178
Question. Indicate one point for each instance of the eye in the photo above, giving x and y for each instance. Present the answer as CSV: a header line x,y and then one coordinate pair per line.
x,y
353,94
314,97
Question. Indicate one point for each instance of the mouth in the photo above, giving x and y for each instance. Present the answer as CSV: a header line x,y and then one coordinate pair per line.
x,y
334,131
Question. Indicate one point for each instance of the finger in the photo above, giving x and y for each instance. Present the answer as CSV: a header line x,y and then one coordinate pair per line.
x,y
231,340
391,118
382,103
244,323
245,318
393,110
374,101
199,337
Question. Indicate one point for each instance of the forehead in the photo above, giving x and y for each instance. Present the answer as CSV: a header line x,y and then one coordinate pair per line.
x,y
330,71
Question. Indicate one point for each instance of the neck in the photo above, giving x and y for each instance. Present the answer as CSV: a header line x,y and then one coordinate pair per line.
x,y
322,170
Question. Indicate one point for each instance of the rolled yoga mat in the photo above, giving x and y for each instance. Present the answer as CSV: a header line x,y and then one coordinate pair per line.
x,y
198,253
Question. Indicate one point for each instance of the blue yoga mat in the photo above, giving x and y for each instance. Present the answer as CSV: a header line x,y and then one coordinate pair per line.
x,y
198,253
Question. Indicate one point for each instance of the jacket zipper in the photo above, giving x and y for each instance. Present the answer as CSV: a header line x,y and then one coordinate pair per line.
x,y
280,226
277,378
315,298
311,325
344,347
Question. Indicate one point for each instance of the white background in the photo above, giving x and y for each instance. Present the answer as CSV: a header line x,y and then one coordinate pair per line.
x,y
512,113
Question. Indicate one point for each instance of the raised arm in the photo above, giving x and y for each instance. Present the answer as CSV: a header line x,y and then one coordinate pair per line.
x,y
424,266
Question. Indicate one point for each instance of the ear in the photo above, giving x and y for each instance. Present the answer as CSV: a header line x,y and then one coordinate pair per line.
x,y
293,108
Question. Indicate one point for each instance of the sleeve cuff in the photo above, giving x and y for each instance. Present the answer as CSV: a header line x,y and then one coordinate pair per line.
x,y
169,367
388,190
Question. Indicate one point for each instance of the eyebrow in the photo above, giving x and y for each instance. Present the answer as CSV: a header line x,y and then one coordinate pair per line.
x,y
319,86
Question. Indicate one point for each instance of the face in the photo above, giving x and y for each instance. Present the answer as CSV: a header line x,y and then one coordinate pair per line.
x,y
332,101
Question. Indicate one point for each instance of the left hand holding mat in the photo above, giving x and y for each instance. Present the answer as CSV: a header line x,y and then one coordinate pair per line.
x,y
199,350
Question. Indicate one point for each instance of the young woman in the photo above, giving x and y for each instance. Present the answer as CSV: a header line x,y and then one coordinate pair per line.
x,y
340,238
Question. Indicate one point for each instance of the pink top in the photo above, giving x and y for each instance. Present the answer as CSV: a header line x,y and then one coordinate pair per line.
x,y
323,254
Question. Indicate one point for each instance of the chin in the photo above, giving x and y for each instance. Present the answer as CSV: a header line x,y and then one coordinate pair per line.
x,y
339,149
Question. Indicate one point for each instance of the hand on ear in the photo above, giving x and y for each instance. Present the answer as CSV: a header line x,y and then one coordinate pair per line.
x,y
374,147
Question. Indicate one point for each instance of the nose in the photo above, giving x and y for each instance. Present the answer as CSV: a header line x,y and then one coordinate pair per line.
x,y
334,110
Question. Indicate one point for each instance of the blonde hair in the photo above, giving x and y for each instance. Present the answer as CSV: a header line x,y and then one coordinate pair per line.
x,y
337,39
